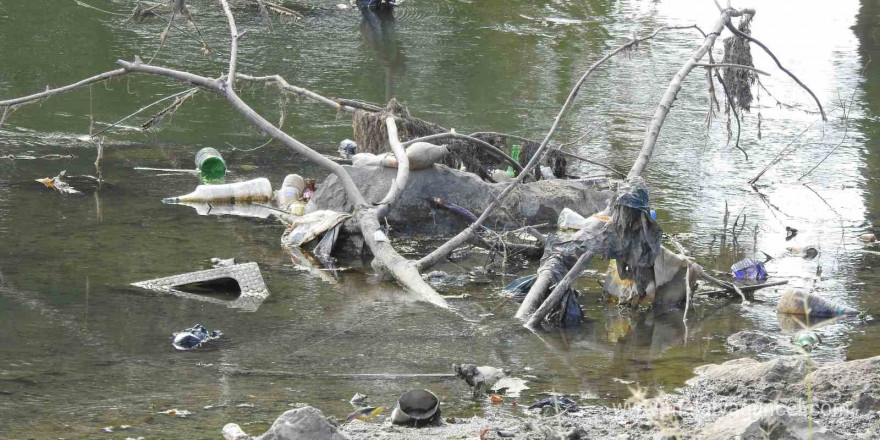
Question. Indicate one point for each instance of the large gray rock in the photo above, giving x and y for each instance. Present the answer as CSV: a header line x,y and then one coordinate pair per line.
x,y
854,383
532,203
302,424
758,342
760,422
750,378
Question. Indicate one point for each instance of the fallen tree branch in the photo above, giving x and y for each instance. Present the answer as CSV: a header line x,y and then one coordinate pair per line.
x,y
749,289
653,130
399,184
444,250
559,291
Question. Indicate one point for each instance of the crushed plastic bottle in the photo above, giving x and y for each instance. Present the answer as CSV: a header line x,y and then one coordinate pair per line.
x,y
211,166
748,269
569,219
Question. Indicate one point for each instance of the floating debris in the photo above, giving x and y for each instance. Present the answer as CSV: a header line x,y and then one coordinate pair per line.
x,y
57,184
193,338
359,399
182,413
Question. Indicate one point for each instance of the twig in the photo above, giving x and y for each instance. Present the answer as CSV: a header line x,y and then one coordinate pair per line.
x,y
732,108
724,285
144,108
782,153
86,5
48,93
598,164
733,66
846,114
751,288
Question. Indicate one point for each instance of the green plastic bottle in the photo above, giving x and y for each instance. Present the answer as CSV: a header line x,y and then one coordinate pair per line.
x,y
211,166
514,153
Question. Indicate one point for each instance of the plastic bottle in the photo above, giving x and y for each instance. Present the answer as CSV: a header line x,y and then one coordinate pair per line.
x,y
514,153
257,190
210,164
291,190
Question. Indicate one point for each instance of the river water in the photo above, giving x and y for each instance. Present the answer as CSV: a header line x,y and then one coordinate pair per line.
x,y
80,349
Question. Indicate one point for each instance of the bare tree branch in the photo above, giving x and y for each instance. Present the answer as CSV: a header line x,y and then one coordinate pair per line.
x,y
653,130
778,64
399,184
233,47
734,66
48,93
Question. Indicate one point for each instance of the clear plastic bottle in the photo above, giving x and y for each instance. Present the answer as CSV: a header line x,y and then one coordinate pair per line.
x,y
211,165
256,190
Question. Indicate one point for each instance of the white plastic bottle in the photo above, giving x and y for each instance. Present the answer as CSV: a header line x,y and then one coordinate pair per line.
x,y
256,190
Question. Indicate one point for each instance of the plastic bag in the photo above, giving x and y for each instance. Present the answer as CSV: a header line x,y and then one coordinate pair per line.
x,y
308,227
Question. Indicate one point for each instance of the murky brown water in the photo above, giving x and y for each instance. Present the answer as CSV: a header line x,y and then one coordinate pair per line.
x,y
80,349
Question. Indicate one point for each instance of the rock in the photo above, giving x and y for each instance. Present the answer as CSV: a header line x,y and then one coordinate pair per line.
x,y
856,383
754,341
301,424
233,432
532,203
753,421
750,378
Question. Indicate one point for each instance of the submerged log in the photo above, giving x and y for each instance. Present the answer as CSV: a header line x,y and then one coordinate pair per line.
x,y
529,204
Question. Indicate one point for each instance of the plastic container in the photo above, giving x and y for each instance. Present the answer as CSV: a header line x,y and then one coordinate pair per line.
x,y
569,219
416,408
291,190
514,153
748,269
257,190
210,164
